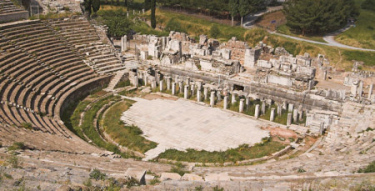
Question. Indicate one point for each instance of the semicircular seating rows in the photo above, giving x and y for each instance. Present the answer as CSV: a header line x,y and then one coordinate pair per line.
x,y
37,70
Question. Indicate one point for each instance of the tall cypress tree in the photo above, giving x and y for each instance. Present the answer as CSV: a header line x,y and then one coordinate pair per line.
x,y
153,19
233,9
95,5
243,9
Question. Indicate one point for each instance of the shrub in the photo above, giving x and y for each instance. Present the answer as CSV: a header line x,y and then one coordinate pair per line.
x,y
97,175
214,31
17,146
27,125
368,169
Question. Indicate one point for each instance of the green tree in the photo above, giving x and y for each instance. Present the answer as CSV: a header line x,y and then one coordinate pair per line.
x,y
319,16
243,9
95,5
153,19
233,9
87,4
214,31
369,5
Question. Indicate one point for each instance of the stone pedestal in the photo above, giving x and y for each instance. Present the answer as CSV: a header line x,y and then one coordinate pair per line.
x,y
290,107
289,119
295,115
225,106
186,92
173,88
212,99
272,116
161,84
168,82
256,115
242,101
325,75
263,107
199,96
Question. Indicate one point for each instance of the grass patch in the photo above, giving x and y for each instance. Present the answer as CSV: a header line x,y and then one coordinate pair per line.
x,y
122,84
243,152
128,136
363,34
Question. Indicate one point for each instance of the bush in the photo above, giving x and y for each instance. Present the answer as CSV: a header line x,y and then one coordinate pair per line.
x,y
97,175
17,146
368,169
214,31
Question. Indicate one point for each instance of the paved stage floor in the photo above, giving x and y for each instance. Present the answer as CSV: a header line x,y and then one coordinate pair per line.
x,y
185,124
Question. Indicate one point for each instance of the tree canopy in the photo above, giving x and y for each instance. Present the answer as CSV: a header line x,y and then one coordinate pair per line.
x,y
319,16
368,5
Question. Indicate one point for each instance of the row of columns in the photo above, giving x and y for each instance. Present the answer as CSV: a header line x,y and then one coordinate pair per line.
x,y
260,109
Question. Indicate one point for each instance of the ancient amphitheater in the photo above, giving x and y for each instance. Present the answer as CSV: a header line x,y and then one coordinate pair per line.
x,y
185,95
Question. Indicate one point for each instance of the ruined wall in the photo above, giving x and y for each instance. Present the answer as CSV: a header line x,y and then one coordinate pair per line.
x,y
14,16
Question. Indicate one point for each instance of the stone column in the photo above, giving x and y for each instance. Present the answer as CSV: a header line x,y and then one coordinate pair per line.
x,y
199,96
176,78
310,85
192,87
321,128
272,116
325,75
290,107
161,85
360,89
186,92
256,115
241,105
136,81
205,93
225,102
295,115
354,90
145,78
233,98
153,84
168,82
188,81
157,76
279,110
180,88
263,107
218,95
247,102
285,105
300,115
212,99
289,119
370,91
173,88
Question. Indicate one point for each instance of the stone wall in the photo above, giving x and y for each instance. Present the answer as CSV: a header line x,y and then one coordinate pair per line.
x,y
14,16
80,91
